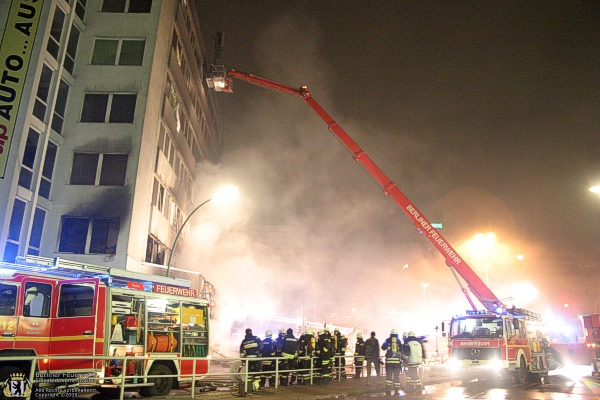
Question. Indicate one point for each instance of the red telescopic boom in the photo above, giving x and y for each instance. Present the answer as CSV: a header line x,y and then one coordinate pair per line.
x,y
221,81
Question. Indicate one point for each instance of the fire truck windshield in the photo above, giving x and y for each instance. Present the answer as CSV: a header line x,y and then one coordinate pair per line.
x,y
476,327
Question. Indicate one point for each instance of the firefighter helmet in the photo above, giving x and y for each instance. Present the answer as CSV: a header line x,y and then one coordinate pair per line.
x,y
360,335
394,332
411,333
310,332
269,333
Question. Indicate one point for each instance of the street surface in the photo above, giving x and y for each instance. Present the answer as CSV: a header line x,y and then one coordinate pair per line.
x,y
437,386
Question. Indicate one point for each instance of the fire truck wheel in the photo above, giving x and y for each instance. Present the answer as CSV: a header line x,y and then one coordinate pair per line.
x,y
162,386
521,373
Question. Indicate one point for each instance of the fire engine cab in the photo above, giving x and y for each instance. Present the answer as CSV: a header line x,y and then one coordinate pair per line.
x,y
54,307
509,343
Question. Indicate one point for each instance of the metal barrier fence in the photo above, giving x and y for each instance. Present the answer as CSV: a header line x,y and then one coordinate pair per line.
x,y
74,382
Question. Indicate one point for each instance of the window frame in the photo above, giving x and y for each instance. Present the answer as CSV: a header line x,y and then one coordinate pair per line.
x,y
53,44
126,7
74,285
48,170
88,240
118,51
88,109
99,175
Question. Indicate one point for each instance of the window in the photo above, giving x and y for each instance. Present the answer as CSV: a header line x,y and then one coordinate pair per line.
x,y
158,194
16,220
69,63
155,251
80,9
41,99
36,302
8,299
35,239
88,236
117,108
112,169
123,108
130,6
60,106
48,170
75,300
26,173
56,28
118,52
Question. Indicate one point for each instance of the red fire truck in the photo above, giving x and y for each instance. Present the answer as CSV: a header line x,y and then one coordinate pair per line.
x,y
54,307
591,332
506,341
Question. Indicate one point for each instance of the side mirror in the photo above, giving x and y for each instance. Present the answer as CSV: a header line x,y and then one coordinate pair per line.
x,y
443,327
516,324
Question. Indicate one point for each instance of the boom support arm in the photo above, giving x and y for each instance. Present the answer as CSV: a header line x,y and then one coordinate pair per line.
x,y
221,80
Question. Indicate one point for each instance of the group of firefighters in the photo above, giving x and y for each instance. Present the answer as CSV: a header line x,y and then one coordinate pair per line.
x,y
325,353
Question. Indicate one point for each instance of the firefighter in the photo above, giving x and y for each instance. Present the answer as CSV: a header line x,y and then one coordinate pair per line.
x,y
324,350
393,362
333,340
413,356
372,356
250,348
359,355
278,349
339,344
343,347
269,347
306,351
289,349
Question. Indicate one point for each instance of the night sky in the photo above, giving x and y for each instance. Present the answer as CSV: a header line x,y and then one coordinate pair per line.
x,y
485,114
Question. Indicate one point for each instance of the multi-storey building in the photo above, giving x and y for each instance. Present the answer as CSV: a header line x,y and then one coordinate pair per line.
x,y
114,117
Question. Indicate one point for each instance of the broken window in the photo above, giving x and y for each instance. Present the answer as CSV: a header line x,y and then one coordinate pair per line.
x,y
103,234
155,251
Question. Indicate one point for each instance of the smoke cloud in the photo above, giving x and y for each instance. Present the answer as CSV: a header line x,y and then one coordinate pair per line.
x,y
313,234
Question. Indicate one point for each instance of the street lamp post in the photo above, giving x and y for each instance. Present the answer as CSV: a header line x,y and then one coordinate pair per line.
x,y
424,286
223,193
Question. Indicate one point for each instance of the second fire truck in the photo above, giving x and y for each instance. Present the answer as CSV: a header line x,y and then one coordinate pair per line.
x,y
54,307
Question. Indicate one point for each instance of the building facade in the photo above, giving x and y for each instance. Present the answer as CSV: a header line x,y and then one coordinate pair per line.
x,y
113,121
